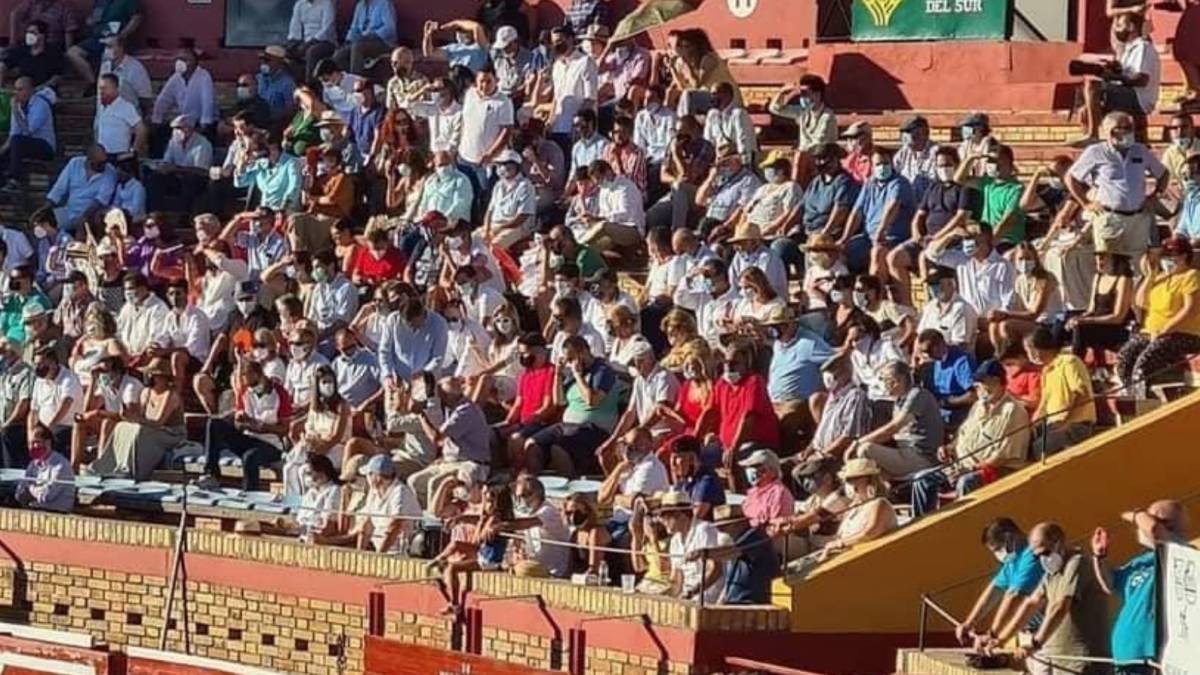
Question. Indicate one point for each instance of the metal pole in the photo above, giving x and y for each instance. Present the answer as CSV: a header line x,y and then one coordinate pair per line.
x,y
177,562
924,619
703,574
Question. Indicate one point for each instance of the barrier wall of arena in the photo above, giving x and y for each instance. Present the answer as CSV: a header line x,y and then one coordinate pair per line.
x,y
285,606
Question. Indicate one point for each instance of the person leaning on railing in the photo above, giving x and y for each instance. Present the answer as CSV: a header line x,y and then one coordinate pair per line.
x,y
1018,576
1135,631
1170,298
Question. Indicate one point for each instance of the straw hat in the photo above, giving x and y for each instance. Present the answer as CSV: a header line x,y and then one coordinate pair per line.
x,y
274,52
859,467
158,366
779,316
821,242
746,232
673,500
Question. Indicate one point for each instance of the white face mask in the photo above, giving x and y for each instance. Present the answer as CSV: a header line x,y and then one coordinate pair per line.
x,y
131,298
1025,266
562,288
181,66
264,69
829,380
945,174
31,39
260,354
327,389
179,135
732,376
1168,265
454,242
504,325
151,232
991,170
108,54
443,171
1052,563
246,307
243,93
359,98
1001,556
40,232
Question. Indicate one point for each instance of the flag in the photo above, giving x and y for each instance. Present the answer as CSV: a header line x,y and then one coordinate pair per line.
x,y
651,14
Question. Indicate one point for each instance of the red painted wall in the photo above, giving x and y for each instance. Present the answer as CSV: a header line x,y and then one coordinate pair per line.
x,y
386,657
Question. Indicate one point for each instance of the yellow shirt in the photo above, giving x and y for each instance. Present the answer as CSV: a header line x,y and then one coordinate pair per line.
x,y
1166,298
1066,380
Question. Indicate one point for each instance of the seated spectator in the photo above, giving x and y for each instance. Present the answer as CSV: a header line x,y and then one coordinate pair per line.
x,y
324,431
1075,606
34,58
654,392
869,515
511,214
49,481
16,388
117,20
793,375
947,312
566,321
301,132
830,195
623,156
1188,225
752,568
30,133
815,522
376,262
727,122
693,574
319,518
249,101
999,195
1130,82
447,190
776,204
685,168
897,322
407,85
1169,298
944,207
724,194
390,514
648,551
948,374
118,127
619,220
62,22
312,33
130,193
692,477
83,187
1038,301
184,339
816,122
187,93
337,85
273,84
182,176
274,175
694,65
843,415
136,447
823,265
637,472
767,498
916,158
1017,578
881,218
132,78
588,535
586,391
23,301
364,120
741,404
1066,413
986,280
751,251
463,437
977,138
372,33
1135,630
544,534
337,139
468,50
56,398
914,433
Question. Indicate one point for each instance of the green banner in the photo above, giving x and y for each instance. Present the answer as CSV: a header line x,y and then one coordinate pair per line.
x,y
883,20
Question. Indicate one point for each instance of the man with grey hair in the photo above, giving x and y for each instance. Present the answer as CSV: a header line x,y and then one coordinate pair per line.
x,y
545,535
1114,172
844,413
654,391
910,440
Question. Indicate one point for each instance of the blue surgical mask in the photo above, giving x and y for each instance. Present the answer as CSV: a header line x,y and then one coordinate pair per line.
x,y
1190,184
968,133
804,103
1182,142
770,174
969,246
935,290
1123,142
882,172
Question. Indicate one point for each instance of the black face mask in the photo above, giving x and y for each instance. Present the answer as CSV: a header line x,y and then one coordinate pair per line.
x,y
527,360
43,370
578,519
561,48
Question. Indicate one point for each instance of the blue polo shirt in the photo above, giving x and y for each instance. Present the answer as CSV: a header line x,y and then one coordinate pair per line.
x,y
954,375
703,488
874,198
1020,574
942,201
472,56
1189,215
795,372
749,575
823,195
1135,630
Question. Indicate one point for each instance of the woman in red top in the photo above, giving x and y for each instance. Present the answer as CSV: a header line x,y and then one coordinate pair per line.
x,y
742,406
695,394
376,262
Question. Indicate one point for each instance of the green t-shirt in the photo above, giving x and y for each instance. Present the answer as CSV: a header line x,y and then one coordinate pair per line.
x,y
589,261
999,198
599,377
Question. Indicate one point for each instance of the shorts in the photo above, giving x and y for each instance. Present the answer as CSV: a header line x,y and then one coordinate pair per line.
x,y
529,429
91,46
579,441
1116,97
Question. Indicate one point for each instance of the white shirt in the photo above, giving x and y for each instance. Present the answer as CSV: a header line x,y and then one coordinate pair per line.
x,y
653,132
116,125
771,201
484,303
576,82
299,376
48,396
664,277
19,248
196,154
660,387
483,120
263,408
956,321
340,97
712,312
319,504
140,325
381,508
595,314
445,124
594,339
620,202
133,81
555,559
987,285
218,289
333,301
312,21
702,535
868,364
647,477
189,330
731,126
765,259
1141,56
127,393
194,97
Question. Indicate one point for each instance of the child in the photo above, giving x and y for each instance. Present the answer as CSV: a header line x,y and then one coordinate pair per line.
x,y
486,548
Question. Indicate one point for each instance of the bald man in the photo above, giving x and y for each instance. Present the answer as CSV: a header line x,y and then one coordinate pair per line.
x,y
1134,634
1076,610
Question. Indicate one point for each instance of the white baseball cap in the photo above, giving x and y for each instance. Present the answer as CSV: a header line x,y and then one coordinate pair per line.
x,y
505,36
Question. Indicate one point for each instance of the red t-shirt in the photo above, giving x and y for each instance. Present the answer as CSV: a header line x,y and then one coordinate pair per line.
x,y
732,402
368,268
533,386
1025,384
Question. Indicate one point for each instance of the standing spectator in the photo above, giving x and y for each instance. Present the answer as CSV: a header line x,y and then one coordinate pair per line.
x,y
1115,172
372,33
413,340
311,33
1076,609
188,92
30,132
1130,82
728,123
118,127
1018,577
133,79
1135,631
468,50
1066,412
574,84
274,83
487,121
816,123
512,62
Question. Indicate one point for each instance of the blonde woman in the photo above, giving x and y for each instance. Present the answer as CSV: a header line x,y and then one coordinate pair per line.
x,y
498,380
1040,301
683,337
870,515
623,337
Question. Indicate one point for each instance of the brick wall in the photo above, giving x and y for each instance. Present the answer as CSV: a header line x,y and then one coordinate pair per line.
x,y
276,604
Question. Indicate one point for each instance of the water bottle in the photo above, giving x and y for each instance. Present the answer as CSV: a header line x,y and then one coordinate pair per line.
x,y
603,574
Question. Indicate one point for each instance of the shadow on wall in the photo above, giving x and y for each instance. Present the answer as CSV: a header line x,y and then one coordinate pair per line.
x,y
857,82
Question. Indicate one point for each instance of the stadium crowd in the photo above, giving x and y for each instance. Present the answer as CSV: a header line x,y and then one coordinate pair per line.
x,y
420,292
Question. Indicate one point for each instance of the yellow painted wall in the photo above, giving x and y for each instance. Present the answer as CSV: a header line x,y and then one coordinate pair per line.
x,y
876,588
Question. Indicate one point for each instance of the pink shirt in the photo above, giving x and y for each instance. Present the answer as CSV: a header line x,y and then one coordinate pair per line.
x,y
766,502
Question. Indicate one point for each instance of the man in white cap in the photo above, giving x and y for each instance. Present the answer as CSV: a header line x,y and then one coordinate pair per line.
x,y
182,176
725,193
391,512
512,62
654,391
512,212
